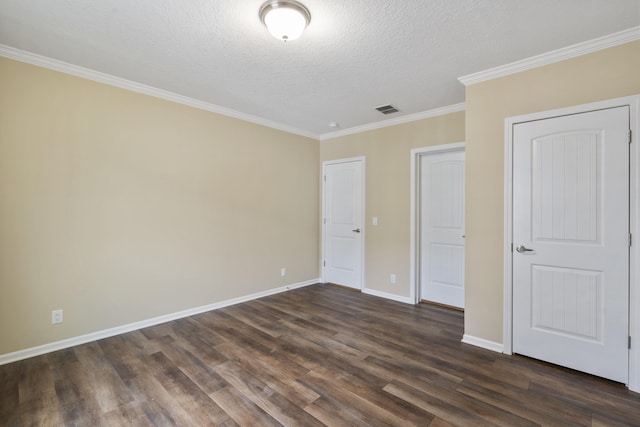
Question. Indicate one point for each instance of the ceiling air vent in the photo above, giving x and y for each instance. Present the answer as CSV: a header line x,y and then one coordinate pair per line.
x,y
387,109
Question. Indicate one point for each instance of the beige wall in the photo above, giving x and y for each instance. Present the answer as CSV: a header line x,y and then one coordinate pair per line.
x,y
118,207
387,159
606,74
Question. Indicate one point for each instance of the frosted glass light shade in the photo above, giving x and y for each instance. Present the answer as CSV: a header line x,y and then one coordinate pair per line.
x,y
285,20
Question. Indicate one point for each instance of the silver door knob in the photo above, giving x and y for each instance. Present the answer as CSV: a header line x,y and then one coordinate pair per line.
x,y
522,249
356,230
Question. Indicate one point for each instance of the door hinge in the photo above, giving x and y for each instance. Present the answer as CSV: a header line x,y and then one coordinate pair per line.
x,y
324,263
630,136
629,342
629,239
324,220
512,247
325,178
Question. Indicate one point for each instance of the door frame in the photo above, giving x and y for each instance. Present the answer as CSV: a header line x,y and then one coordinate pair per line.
x,y
414,244
633,102
326,163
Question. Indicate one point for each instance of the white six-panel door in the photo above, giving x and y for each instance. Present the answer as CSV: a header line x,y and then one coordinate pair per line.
x,y
343,223
571,241
442,227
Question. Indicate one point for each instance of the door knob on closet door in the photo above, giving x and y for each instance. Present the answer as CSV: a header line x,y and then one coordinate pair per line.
x,y
522,249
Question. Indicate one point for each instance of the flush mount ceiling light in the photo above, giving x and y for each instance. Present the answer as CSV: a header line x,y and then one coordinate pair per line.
x,y
285,19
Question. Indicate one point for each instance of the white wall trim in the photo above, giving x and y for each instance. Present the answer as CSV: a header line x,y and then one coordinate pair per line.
x,y
414,226
86,73
634,256
392,122
611,40
106,333
507,294
634,260
363,219
482,343
387,295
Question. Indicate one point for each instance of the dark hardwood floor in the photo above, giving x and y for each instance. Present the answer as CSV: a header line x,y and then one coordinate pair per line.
x,y
319,355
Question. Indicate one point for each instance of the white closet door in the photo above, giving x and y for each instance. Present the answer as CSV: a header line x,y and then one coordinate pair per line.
x,y
442,228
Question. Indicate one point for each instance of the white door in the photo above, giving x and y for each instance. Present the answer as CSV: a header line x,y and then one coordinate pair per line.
x,y
343,223
571,241
442,228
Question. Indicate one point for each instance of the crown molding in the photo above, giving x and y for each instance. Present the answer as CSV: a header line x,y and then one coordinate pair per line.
x,y
392,122
611,40
86,73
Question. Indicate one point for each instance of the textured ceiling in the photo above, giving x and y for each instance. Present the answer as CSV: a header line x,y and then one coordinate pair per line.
x,y
354,56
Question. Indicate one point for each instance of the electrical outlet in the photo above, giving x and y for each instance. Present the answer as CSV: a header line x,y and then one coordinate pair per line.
x,y
393,279
374,220
283,272
56,316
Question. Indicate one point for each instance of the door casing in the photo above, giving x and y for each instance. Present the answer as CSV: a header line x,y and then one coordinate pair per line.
x,y
634,224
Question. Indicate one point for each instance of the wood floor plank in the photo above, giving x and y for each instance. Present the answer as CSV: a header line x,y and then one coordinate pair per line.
x,y
199,370
193,400
159,405
371,389
82,413
359,335
130,414
411,372
9,395
277,362
439,422
138,343
365,409
273,373
514,396
442,409
599,420
490,413
119,354
370,347
196,339
35,379
230,329
38,402
267,323
108,388
75,391
269,400
164,415
611,395
584,398
331,412
242,409
319,355
42,410
330,346
449,363
560,417
71,386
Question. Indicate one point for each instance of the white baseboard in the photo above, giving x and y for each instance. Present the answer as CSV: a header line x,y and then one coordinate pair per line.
x,y
481,342
386,295
83,339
